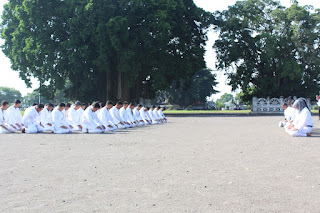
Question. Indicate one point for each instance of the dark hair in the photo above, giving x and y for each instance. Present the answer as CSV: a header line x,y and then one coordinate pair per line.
x,y
148,108
95,104
17,102
131,104
158,107
49,104
4,103
163,108
34,104
77,103
153,106
61,105
119,103
68,105
284,104
109,103
102,104
125,102
140,105
40,106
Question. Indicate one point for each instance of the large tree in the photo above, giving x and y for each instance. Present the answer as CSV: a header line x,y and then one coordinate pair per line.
x,y
269,50
202,86
9,94
105,49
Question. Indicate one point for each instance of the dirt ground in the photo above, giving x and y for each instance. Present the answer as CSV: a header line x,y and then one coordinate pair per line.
x,y
191,164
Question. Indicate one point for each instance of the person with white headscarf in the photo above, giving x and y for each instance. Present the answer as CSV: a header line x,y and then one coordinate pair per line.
x,y
302,124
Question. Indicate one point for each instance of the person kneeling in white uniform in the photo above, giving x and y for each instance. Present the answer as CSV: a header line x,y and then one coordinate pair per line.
x,y
90,121
137,115
125,116
105,117
5,126
74,118
60,125
46,117
302,124
15,117
31,120
115,113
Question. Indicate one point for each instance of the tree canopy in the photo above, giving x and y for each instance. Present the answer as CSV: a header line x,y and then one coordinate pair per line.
x,y
9,94
202,86
269,50
106,49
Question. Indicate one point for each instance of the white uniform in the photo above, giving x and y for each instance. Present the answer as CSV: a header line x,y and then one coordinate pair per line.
x,y
156,115
145,117
4,120
46,118
106,119
15,117
133,118
303,122
160,112
115,114
80,111
137,116
153,117
31,121
59,120
90,122
125,116
74,118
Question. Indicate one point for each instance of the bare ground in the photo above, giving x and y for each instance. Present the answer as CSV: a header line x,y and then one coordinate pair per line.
x,y
195,164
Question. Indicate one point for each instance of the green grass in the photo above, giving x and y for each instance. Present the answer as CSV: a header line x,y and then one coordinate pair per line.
x,y
206,111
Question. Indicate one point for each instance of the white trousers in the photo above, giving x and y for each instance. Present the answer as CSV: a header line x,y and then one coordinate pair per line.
x,y
297,133
47,127
34,128
62,131
92,130
120,126
4,131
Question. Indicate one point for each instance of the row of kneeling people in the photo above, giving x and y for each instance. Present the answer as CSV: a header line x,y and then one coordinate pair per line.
x,y
298,119
96,118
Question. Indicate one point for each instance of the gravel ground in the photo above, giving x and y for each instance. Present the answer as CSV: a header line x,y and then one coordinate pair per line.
x,y
191,164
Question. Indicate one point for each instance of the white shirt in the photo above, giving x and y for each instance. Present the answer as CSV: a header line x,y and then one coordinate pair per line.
x,y
58,119
136,113
90,119
161,113
132,118
4,118
105,117
31,116
116,115
144,114
15,116
46,116
152,115
74,116
303,119
319,102
124,114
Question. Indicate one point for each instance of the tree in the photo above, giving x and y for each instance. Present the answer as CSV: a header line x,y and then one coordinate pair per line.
x,y
224,98
202,86
269,50
107,49
9,94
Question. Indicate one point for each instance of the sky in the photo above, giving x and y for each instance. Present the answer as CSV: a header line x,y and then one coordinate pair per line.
x,y
10,78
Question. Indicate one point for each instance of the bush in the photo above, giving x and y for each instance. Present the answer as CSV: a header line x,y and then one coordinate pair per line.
x,y
248,107
315,107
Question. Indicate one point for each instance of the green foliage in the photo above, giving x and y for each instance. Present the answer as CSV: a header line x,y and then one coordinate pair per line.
x,y
269,50
107,49
202,86
220,103
9,94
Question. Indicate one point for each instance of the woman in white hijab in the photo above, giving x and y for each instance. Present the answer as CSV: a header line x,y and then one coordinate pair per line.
x,y
302,124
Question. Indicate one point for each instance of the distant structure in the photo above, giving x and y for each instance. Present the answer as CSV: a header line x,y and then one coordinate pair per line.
x,y
271,105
